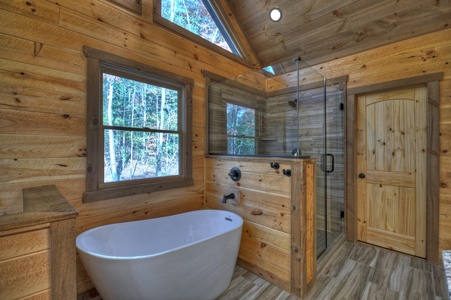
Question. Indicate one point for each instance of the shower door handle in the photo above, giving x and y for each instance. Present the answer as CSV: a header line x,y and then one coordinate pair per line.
x,y
324,163
333,163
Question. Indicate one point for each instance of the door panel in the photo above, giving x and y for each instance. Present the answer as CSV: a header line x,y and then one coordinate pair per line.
x,y
391,162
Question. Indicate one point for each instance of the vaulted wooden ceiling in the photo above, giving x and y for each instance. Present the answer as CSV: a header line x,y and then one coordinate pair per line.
x,y
321,30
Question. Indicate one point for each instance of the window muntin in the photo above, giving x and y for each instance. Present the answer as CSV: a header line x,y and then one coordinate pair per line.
x,y
156,141
241,133
200,18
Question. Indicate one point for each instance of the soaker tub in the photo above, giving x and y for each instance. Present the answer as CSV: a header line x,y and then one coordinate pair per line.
x,y
185,256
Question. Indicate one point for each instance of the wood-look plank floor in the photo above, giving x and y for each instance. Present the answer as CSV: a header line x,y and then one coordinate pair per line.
x,y
354,271
348,271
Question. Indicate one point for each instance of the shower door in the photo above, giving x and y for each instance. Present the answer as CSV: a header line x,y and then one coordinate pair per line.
x,y
321,129
330,166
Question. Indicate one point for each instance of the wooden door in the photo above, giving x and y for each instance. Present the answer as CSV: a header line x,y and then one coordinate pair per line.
x,y
391,170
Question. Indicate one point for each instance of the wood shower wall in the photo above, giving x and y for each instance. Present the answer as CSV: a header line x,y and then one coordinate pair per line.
x,y
278,240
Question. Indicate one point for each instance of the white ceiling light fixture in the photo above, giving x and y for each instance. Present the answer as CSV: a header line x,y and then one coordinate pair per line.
x,y
275,14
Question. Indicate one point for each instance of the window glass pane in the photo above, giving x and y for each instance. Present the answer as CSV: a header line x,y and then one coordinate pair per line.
x,y
240,146
270,70
195,17
135,104
137,155
240,120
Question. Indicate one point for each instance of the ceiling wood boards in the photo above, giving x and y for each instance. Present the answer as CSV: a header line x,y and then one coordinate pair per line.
x,y
320,31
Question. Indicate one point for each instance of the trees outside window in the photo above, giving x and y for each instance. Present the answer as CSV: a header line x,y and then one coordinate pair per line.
x,y
138,128
198,17
140,122
240,130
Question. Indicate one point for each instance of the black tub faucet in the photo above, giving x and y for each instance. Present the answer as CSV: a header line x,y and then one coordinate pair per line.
x,y
227,197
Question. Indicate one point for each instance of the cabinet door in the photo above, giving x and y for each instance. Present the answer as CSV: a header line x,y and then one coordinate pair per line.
x,y
25,263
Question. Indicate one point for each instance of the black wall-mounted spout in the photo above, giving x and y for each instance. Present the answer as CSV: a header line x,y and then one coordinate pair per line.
x,y
227,197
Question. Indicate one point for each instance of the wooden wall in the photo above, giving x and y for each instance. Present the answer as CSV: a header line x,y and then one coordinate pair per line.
x,y
427,54
278,240
43,101
265,202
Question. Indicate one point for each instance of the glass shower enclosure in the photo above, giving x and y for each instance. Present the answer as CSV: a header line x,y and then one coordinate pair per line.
x,y
285,110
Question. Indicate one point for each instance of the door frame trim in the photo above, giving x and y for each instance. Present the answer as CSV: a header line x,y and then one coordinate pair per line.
x,y
432,81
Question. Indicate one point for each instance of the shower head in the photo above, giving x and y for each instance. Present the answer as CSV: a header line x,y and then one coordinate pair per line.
x,y
293,104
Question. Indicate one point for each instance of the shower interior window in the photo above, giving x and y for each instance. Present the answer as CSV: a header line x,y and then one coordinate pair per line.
x,y
241,133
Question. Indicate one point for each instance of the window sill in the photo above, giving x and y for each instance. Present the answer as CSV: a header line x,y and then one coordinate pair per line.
x,y
118,192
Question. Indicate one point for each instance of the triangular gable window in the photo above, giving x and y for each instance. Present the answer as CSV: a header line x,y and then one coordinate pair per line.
x,y
200,18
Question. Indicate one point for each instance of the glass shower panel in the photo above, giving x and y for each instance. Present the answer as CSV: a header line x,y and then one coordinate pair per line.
x,y
257,113
335,169
330,178
291,111
313,143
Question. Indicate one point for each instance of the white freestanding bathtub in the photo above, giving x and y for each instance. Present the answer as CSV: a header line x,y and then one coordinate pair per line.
x,y
185,256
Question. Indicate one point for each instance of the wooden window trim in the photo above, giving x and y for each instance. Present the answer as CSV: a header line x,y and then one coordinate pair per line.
x,y
94,189
243,59
132,5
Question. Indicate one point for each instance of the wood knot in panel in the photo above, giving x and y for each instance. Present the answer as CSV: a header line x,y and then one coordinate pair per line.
x,y
256,212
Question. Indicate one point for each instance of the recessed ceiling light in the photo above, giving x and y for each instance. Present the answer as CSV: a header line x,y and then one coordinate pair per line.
x,y
275,14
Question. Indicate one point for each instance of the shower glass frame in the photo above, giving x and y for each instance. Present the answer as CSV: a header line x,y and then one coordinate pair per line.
x,y
293,107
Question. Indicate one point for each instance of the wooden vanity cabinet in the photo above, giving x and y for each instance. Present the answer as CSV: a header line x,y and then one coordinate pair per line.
x,y
37,248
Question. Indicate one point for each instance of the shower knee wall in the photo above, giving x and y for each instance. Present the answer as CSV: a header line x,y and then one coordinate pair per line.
x,y
273,206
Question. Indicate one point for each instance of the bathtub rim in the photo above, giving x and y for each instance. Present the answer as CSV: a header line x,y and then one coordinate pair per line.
x,y
138,257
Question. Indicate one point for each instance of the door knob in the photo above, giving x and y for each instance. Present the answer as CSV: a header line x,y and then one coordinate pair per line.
x,y
361,175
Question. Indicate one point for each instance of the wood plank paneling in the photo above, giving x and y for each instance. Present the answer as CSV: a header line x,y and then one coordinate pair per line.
x,y
323,31
37,100
21,122
47,48
253,206
398,61
39,9
23,170
278,241
43,102
22,74
40,54
31,146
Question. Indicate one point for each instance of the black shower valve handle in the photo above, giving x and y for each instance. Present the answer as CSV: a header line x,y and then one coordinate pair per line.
x,y
286,172
275,165
235,174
